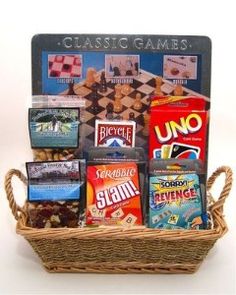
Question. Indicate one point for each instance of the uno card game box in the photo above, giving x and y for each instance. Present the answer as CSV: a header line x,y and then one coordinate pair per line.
x,y
179,129
176,195
113,195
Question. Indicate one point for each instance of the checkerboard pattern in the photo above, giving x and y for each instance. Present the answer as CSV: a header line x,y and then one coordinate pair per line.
x,y
144,84
64,66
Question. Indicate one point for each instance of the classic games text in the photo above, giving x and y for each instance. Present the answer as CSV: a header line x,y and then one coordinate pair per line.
x,y
139,43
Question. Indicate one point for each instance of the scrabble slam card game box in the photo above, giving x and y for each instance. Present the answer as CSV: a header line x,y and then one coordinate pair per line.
x,y
112,96
113,193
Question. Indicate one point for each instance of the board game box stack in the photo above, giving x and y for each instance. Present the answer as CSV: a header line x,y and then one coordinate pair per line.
x,y
115,104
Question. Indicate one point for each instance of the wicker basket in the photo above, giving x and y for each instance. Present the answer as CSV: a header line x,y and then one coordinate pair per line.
x,y
119,250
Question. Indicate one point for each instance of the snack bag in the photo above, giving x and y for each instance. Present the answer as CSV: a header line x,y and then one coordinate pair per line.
x,y
113,195
55,193
54,127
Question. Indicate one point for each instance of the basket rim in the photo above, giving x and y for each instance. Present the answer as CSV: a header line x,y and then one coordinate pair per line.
x,y
116,232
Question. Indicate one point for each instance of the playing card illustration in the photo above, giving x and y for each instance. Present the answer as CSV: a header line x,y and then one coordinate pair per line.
x,y
183,151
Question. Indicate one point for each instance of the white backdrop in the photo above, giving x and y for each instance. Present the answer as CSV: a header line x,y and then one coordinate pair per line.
x,y
20,270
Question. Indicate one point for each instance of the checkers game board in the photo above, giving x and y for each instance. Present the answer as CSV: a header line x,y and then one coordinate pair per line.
x,y
64,66
144,84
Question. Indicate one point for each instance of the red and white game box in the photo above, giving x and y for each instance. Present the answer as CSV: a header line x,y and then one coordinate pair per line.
x,y
114,133
113,195
179,128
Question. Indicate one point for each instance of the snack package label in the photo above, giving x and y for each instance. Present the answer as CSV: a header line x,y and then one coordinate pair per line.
x,y
175,202
54,192
176,133
55,181
113,195
55,169
54,128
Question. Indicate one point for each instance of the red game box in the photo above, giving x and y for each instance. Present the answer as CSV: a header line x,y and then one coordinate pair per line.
x,y
113,195
179,128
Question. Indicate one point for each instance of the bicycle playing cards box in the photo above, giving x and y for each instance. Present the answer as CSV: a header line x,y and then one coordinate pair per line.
x,y
114,133
179,128
113,195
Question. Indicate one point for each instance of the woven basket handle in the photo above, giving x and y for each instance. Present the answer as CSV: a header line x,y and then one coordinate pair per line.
x,y
16,209
219,204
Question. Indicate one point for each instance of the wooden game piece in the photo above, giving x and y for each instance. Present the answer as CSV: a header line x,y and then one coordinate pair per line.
x,y
178,90
109,109
118,89
131,116
146,118
90,77
71,89
117,105
95,105
118,95
126,89
137,102
94,88
158,91
158,80
103,83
